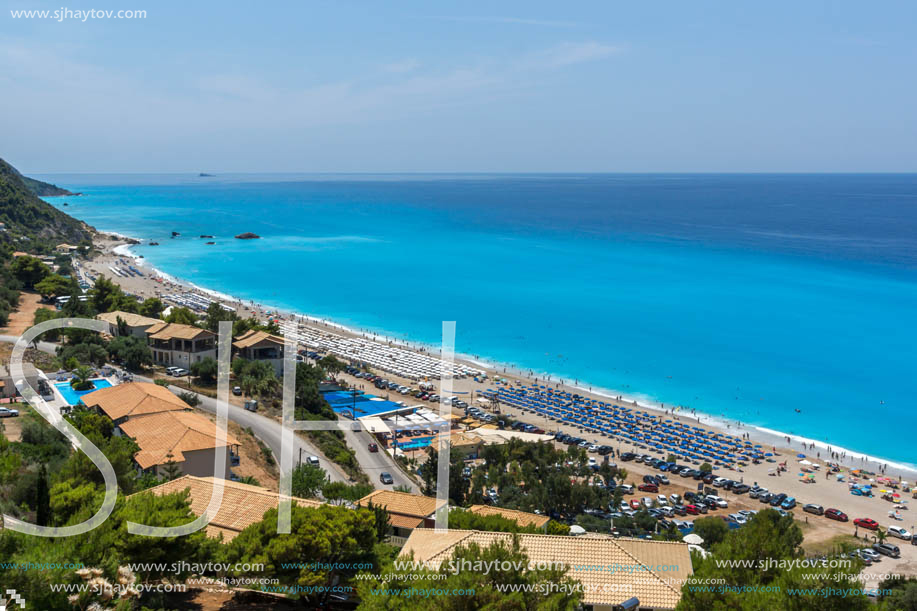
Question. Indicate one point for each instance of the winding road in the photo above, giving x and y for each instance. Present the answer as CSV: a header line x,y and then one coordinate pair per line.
x,y
270,433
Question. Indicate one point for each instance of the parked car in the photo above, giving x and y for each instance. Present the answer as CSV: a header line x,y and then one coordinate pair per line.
x,y
870,553
313,460
836,514
813,508
6,412
692,510
887,549
237,391
717,501
680,510
901,533
867,523
857,554
386,478
741,488
788,503
719,482
634,504
180,373
648,488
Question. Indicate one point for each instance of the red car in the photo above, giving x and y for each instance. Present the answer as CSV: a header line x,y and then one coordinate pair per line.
x,y
648,488
635,504
836,514
692,509
373,447
867,523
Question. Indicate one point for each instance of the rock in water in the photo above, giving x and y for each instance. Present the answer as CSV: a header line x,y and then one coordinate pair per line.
x,y
248,235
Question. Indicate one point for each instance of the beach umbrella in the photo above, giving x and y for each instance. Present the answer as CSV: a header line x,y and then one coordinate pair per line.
x,y
800,456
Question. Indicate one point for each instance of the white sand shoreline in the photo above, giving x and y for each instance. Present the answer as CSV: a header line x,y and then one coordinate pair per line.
x,y
759,433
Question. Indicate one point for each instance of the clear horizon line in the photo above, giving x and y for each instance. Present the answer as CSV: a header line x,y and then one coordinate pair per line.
x,y
217,174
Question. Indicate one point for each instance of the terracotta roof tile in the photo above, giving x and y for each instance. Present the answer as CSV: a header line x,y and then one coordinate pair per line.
x,y
134,399
522,518
404,503
171,432
242,504
642,578
170,330
253,338
132,320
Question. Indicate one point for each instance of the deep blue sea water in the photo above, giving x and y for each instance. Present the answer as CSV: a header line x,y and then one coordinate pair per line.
x,y
748,296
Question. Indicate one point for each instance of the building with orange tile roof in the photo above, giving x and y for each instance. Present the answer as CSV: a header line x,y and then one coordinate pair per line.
x,y
406,511
260,346
123,401
242,504
522,518
185,438
137,325
177,345
611,570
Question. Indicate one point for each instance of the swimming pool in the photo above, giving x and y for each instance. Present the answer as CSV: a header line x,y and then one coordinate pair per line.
x,y
73,397
415,444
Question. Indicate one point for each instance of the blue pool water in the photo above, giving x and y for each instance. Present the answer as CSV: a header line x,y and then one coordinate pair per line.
x,y
414,444
743,296
73,397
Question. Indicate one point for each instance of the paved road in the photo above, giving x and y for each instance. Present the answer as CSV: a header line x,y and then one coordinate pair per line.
x,y
374,463
270,431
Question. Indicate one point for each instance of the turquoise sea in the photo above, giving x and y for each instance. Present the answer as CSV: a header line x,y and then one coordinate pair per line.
x,y
743,296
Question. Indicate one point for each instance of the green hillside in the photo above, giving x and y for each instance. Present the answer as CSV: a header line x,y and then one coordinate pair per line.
x,y
44,189
30,222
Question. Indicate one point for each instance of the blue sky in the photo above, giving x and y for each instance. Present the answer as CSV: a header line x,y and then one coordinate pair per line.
x,y
395,86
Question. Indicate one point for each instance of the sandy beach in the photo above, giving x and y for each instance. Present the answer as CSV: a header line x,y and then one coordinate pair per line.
x,y
825,491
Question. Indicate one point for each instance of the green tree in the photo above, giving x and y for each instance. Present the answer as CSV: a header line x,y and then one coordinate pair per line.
x,y
170,470
82,378
205,370
711,529
216,314
761,556
543,589
42,498
182,316
324,535
44,314
151,307
29,270
132,352
106,296
307,481
52,286
331,365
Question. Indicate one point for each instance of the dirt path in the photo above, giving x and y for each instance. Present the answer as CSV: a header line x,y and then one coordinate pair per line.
x,y
21,319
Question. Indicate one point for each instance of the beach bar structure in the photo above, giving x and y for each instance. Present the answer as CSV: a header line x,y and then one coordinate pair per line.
x,y
175,345
260,346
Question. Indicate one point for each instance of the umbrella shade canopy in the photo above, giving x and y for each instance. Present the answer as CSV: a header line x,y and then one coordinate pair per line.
x,y
693,539
577,530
